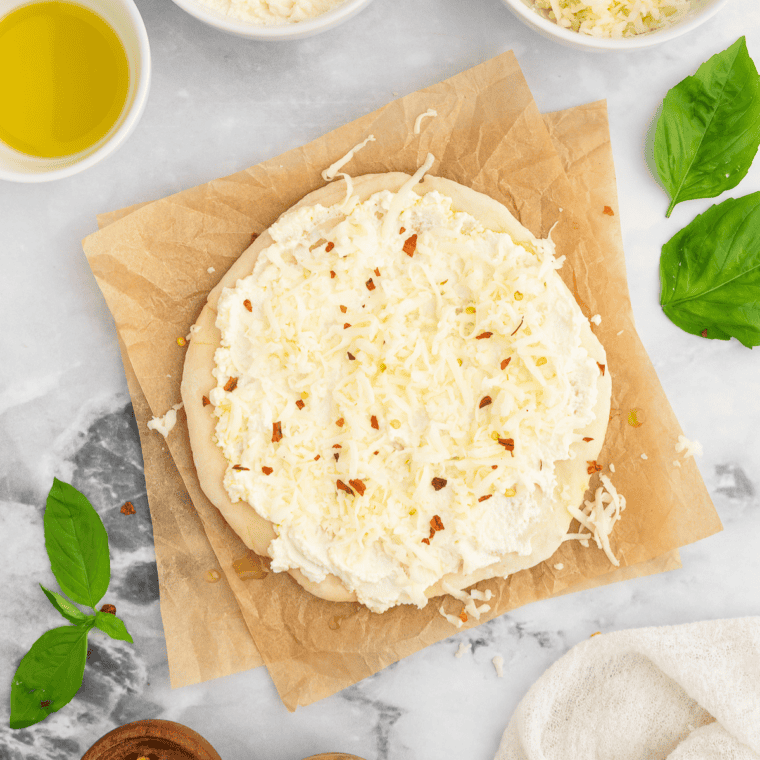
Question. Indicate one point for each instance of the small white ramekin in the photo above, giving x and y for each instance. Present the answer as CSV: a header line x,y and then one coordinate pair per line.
x,y
288,31
701,11
126,21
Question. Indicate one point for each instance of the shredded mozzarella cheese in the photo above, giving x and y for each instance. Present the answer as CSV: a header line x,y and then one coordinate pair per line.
x,y
394,352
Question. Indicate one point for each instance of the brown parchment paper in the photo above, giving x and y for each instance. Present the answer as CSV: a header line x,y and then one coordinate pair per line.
x,y
156,265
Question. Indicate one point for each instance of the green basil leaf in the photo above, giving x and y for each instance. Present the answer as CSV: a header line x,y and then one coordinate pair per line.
x,y
112,625
49,675
77,544
709,128
710,273
64,606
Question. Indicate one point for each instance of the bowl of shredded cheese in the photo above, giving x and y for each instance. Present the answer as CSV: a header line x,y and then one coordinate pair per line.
x,y
605,25
273,19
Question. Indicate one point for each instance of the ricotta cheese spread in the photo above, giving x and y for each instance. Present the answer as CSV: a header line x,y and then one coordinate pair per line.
x,y
394,385
272,11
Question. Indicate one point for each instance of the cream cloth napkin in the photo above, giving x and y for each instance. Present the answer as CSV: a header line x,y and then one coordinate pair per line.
x,y
684,692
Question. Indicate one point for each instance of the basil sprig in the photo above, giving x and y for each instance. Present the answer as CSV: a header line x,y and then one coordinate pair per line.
x,y
710,273
51,672
708,131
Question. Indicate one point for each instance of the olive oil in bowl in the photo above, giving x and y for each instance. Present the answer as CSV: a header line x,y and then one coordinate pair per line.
x,y
65,79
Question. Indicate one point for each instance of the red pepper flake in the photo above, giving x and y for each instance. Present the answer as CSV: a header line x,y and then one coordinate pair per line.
x,y
483,335
316,457
377,272
439,483
332,275
601,368
485,401
343,487
425,540
109,608
344,309
329,247
518,326
402,231
267,470
46,703
240,467
231,384
608,210
410,245
205,400
300,404
336,456
351,357
340,422
588,439
358,485
463,616
247,305
436,523
346,325
485,498
337,446
508,444
494,466
276,432
506,362
373,421
254,235
128,508
593,467
432,533
370,285
375,452
704,333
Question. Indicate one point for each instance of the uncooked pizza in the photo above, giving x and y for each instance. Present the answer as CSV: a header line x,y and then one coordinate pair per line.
x,y
392,393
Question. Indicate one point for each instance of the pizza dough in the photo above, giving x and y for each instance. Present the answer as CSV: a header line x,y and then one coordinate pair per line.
x,y
460,471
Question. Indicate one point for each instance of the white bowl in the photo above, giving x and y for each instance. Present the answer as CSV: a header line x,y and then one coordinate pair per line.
x,y
287,31
700,11
126,21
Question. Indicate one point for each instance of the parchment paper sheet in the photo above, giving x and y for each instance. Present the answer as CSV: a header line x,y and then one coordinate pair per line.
x,y
152,267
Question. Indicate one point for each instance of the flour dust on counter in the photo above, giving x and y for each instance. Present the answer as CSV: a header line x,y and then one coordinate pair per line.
x,y
105,464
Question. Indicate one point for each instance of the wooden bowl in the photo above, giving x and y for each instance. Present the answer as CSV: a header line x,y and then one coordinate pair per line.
x,y
152,739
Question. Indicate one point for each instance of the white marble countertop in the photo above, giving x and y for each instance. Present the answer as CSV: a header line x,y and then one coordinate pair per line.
x,y
219,104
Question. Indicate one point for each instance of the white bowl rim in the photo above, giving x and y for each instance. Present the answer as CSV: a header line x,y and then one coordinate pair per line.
x,y
272,31
125,128
605,43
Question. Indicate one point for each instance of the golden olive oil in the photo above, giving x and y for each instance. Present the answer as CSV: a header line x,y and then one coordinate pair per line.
x,y
64,78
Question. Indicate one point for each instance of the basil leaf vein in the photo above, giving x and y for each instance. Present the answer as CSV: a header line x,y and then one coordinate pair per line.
x,y
710,273
709,129
77,545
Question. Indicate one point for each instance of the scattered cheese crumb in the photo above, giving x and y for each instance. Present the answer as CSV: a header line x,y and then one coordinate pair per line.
x,y
464,647
211,270
690,448
621,332
596,319
165,424
418,120
598,517
612,467
559,566
498,663
676,463
332,171
644,456
451,618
